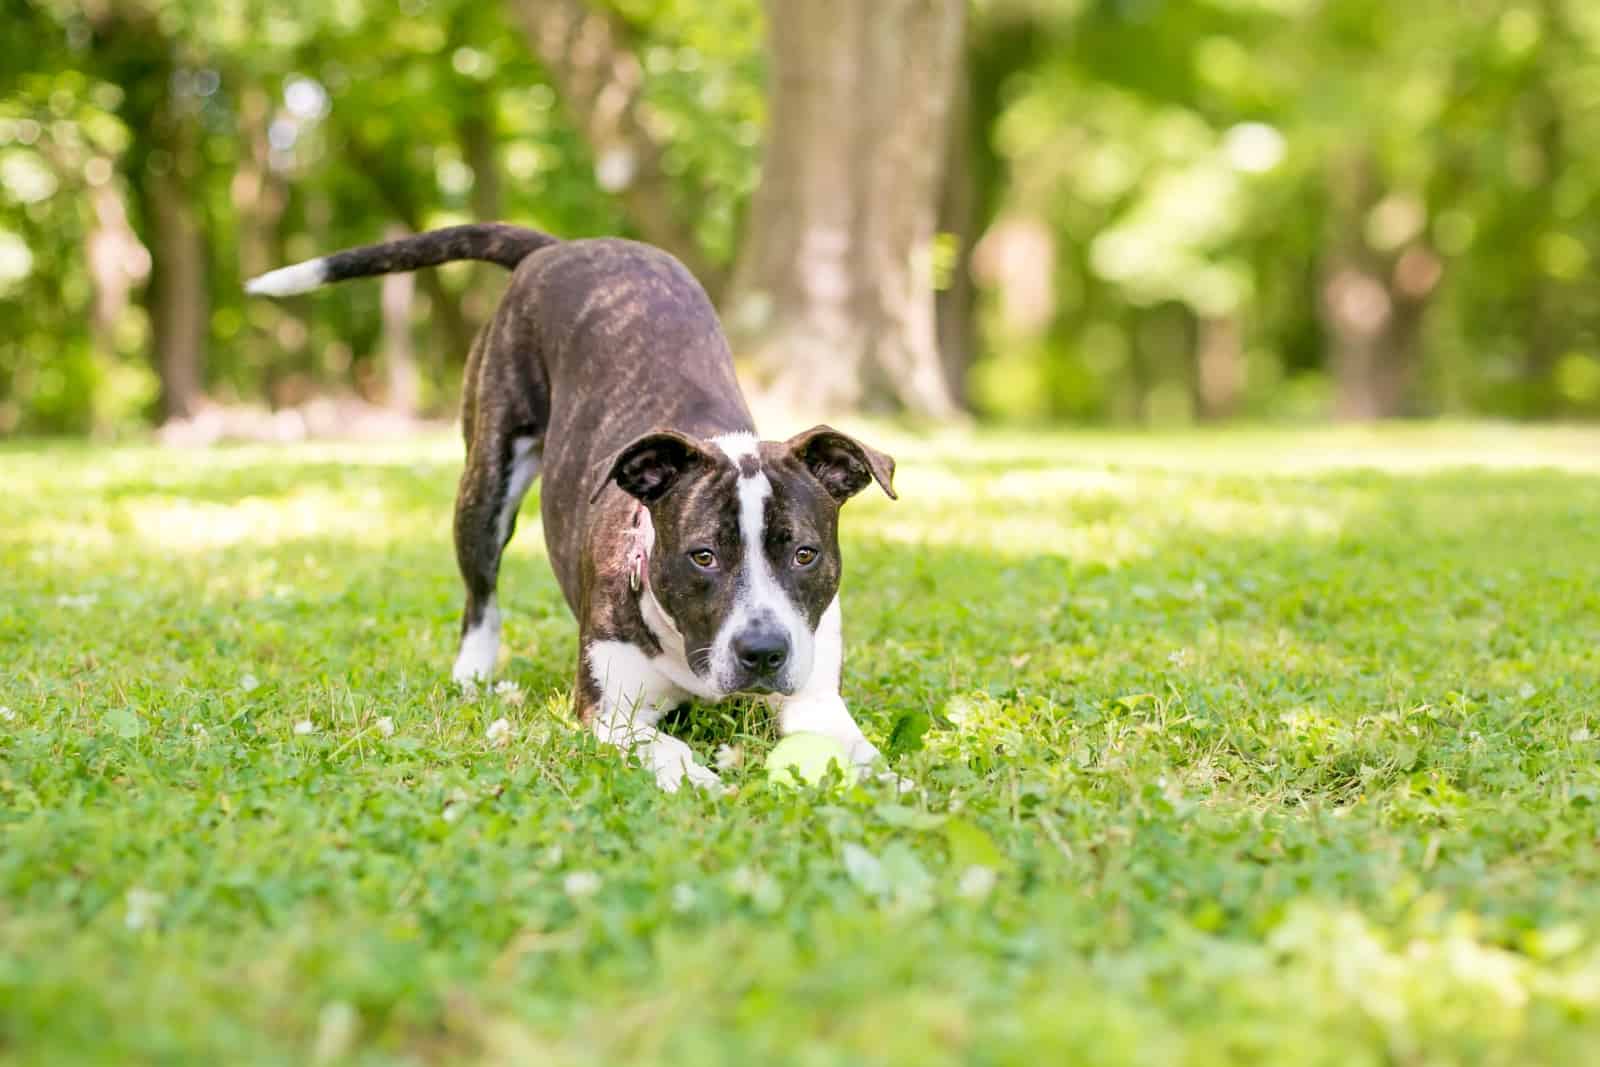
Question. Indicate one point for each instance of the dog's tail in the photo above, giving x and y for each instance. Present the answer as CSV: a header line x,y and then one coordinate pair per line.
x,y
491,242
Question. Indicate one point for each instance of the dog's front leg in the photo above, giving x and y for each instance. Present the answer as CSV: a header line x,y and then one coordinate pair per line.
x,y
625,698
828,715
669,759
817,706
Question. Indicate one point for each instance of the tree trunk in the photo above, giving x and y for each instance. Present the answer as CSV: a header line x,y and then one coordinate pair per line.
x,y
1219,367
165,170
1374,319
479,146
179,301
403,385
832,301
1548,325
117,262
1356,310
1372,303
278,338
259,196
956,302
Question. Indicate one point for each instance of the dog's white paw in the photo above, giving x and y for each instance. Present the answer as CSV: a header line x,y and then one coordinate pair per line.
x,y
480,647
671,778
475,662
870,764
673,764
468,673
701,778
901,785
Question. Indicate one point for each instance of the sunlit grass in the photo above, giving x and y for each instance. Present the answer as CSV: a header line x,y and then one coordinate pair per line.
x,y
1244,747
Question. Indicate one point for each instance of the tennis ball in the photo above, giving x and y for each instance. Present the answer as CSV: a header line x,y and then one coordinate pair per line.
x,y
809,755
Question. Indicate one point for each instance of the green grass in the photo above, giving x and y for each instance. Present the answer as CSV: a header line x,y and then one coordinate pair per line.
x,y
1250,748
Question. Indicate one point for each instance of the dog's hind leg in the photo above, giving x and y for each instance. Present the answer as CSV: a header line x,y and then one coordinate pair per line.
x,y
497,477
500,469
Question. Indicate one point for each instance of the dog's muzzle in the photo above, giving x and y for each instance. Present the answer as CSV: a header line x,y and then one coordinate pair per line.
x,y
761,655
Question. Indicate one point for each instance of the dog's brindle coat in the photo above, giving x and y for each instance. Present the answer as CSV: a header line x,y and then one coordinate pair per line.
x,y
698,560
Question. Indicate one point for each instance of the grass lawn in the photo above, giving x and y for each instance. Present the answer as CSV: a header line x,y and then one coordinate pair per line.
x,y
1257,747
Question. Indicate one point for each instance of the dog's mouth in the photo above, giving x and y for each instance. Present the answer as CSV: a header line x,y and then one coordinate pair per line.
x,y
761,687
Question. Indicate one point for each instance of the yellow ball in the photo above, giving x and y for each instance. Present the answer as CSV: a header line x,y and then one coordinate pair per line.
x,y
809,755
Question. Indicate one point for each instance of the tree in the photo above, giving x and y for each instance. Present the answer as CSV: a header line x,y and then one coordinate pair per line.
x,y
165,168
832,300
1374,294
1166,217
590,57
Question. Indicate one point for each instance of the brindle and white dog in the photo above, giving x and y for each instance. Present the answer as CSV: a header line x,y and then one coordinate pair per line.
x,y
699,560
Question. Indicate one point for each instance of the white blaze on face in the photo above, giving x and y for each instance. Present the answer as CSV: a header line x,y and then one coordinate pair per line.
x,y
758,597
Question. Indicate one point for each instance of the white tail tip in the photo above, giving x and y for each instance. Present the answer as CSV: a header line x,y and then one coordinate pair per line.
x,y
287,281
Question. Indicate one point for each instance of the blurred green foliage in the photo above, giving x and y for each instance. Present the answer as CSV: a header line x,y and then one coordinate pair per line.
x,y
361,114
1187,155
1186,207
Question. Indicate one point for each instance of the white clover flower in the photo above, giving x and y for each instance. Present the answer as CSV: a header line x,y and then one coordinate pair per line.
x,y
580,884
499,732
248,682
510,692
386,726
750,882
683,897
456,805
6,715
469,690
142,907
977,882
304,727
759,887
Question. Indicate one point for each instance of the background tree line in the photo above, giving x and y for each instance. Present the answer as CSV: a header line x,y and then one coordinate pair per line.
x,y
1099,210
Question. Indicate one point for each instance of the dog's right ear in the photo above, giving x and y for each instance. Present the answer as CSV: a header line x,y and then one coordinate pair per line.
x,y
652,464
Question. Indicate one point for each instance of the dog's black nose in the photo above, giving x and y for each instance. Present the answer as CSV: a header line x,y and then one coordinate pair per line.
x,y
762,651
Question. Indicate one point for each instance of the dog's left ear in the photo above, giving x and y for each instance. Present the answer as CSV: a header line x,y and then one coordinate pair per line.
x,y
842,464
651,465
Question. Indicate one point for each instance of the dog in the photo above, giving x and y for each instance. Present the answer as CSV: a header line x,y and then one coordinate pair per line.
x,y
699,560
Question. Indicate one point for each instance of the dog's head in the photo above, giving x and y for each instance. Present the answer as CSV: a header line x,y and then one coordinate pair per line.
x,y
746,554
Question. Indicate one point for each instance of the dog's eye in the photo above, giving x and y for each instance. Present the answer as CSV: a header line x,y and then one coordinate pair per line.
x,y
703,558
805,556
